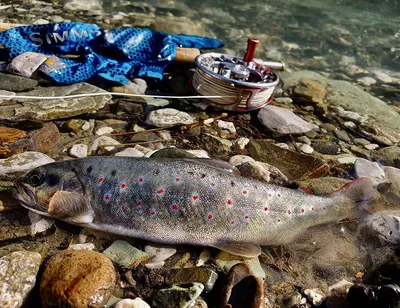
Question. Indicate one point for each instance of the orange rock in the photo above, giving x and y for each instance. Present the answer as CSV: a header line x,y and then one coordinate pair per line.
x,y
12,141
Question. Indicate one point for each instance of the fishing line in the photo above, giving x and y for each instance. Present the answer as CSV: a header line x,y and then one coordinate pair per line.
x,y
108,93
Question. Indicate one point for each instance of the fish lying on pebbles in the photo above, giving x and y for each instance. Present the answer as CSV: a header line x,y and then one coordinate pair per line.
x,y
182,201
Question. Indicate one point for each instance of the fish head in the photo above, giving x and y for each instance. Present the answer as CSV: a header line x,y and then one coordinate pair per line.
x,y
54,190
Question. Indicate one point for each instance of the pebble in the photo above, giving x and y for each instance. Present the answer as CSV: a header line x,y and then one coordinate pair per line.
x,y
132,152
204,257
361,141
56,19
238,160
291,299
325,147
315,296
79,150
350,115
190,275
242,142
22,162
104,130
41,21
371,146
39,223
311,134
283,100
392,176
372,170
349,124
342,135
167,117
103,140
263,172
26,64
199,153
366,81
346,159
124,254
85,246
304,139
383,77
78,279
158,254
283,145
18,272
283,121
306,148
226,127
86,126
177,296
132,303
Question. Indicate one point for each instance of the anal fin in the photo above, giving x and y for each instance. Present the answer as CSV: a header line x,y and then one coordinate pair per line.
x,y
248,250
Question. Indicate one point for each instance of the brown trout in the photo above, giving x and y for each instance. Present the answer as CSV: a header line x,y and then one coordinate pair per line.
x,y
182,201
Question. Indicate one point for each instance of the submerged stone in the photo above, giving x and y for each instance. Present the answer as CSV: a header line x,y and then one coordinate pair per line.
x,y
16,83
18,272
124,254
189,275
178,297
12,141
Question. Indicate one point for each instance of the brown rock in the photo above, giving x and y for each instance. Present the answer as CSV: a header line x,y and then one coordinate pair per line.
x,y
313,91
44,139
12,141
294,165
77,279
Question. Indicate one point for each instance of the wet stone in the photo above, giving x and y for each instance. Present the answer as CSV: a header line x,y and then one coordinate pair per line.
x,y
12,141
132,303
292,299
124,254
18,272
44,139
79,150
342,135
77,279
189,275
325,147
372,170
389,156
177,296
325,185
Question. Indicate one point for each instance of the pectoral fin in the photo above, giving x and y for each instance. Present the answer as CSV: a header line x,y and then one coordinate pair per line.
x,y
247,250
70,205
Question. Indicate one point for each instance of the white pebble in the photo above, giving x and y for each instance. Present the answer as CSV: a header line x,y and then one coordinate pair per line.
x,y
158,253
282,145
168,116
79,150
86,126
238,160
155,265
366,81
103,140
307,149
226,127
86,246
138,129
132,303
199,153
104,130
39,223
315,296
350,159
371,146
131,152
242,142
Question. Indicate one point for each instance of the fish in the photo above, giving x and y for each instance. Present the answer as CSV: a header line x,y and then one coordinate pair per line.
x,y
182,201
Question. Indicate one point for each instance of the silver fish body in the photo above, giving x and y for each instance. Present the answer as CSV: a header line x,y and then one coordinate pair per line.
x,y
180,201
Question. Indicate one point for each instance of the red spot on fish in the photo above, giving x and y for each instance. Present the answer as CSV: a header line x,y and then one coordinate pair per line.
x,y
279,195
177,180
312,209
265,209
246,217
175,207
278,220
289,212
160,191
302,210
153,212
139,203
232,222
123,186
101,180
107,197
212,184
195,198
229,202
123,207
324,208
269,195
141,180
210,216
244,192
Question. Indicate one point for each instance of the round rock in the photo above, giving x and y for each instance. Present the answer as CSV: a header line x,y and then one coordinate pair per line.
x,y
167,117
79,150
77,279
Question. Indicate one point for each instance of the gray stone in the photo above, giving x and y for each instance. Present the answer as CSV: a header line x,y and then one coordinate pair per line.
x,y
389,156
124,254
341,93
342,135
304,139
283,100
20,163
226,127
168,117
177,296
18,272
54,108
104,142
94,6
366,81
79,150
26,64
283,121
325,147
392,178
263,172
158,252
39,223
323,186
132,152
361,141
306,148
15,83
116,124
366,168
383,77
105,130
292,299
238,160
371,146
384,226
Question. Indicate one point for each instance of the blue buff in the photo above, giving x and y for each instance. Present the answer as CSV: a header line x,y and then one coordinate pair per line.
x,y
116,55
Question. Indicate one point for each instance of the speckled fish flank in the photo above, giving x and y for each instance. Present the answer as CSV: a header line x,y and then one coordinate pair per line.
x,y
181,201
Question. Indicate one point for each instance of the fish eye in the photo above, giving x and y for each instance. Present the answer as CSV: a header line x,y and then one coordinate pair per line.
x,y
36,178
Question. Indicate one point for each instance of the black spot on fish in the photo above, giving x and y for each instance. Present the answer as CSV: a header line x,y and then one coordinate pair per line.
x,y
52,179
89,169
156,172
114,172
191,173
232,183
203,175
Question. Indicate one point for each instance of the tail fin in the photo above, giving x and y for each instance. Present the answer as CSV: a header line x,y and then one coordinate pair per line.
x,y
360,190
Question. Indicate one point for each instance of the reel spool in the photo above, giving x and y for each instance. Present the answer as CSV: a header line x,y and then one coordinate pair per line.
x,y
244,84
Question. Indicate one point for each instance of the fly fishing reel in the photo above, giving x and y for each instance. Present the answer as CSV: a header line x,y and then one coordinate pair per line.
x,y
242,83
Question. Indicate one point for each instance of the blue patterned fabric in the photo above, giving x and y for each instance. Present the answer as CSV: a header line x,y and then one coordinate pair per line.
x,y
116,55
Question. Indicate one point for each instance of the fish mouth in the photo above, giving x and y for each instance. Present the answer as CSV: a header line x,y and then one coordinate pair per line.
x,y
27,199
